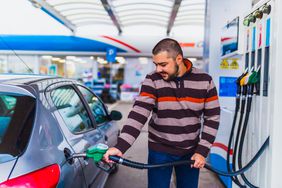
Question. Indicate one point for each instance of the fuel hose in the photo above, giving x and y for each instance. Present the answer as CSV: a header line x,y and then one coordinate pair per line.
x,y
237,138
253,80
237,107
138,165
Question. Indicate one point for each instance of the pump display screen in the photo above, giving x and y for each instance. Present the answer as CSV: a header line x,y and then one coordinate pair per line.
x,y
227,86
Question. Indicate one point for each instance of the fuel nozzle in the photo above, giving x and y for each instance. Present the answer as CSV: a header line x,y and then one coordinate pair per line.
x,y
238,83
239,92
96,152
243,84
254,80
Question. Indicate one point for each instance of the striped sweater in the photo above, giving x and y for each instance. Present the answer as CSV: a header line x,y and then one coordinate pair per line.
x,y
177,108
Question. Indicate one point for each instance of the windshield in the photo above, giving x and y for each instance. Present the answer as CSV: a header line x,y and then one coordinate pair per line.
x,y
16,120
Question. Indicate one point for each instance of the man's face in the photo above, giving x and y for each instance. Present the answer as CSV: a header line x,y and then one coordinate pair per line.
x,y
166,66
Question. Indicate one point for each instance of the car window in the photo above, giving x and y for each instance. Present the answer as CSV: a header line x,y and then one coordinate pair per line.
x,y
95,105
16,119
71,109
7,106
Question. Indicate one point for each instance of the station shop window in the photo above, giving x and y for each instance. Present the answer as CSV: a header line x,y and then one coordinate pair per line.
x,y
67,66
14,64
116,71
3,64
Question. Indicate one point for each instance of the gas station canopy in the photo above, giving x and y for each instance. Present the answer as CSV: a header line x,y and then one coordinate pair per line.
x,y
125,13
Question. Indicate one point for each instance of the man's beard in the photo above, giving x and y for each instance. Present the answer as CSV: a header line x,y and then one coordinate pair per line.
x,y
174,75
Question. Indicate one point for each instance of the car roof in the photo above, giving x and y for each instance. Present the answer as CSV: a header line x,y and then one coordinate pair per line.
x,y
23,78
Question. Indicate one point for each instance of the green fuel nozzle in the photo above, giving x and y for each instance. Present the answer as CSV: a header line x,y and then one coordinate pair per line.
x,y
254,77
97,152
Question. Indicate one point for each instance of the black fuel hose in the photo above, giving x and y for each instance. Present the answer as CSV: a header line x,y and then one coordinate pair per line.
x,y
237,107
138,165
243,134
237,139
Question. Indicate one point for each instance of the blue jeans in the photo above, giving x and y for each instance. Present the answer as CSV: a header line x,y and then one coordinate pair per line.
x,y
186,177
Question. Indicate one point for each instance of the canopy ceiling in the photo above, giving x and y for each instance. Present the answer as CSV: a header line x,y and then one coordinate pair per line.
x,y
125,13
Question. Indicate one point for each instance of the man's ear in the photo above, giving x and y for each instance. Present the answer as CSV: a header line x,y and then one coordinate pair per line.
x,y
179,59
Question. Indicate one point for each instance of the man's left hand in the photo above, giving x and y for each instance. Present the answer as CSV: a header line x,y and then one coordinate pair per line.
x,y
200,161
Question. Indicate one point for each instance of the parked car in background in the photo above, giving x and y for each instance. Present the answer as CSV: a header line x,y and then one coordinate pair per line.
x,y
43,121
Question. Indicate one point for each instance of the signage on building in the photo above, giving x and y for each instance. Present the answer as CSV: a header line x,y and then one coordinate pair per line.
x,y
111,55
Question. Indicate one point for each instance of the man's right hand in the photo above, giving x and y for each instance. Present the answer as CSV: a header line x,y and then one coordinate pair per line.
x,y
111,151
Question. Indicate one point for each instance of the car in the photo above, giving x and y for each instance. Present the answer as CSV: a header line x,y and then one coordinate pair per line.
x,y
43,121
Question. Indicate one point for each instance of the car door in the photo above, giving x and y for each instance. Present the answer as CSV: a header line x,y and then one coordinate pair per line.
x,y
108,128
78,127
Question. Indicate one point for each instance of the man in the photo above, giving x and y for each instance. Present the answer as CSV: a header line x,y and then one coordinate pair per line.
x,y
179,96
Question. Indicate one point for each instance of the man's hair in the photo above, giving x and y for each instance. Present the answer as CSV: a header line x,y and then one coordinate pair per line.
x,y
169,45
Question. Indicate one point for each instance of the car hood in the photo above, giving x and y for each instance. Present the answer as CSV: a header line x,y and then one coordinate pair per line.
x,y
7,163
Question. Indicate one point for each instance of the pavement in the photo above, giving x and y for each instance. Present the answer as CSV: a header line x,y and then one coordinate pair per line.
x,y
133,178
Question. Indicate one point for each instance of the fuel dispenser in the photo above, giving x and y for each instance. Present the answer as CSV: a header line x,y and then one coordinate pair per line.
x,y
248,126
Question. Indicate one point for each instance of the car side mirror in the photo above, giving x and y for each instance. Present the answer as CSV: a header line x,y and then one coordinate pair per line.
x,y
115,115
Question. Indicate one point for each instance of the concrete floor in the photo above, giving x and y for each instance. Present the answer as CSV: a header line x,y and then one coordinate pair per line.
x,y
132,178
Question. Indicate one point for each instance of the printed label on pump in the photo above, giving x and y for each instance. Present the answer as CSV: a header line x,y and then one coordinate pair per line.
x,y
248,40
224,64
267,42
234,64
260,35
254,39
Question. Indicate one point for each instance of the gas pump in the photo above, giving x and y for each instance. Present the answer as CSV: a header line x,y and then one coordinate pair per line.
x,y
257,26
248,124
